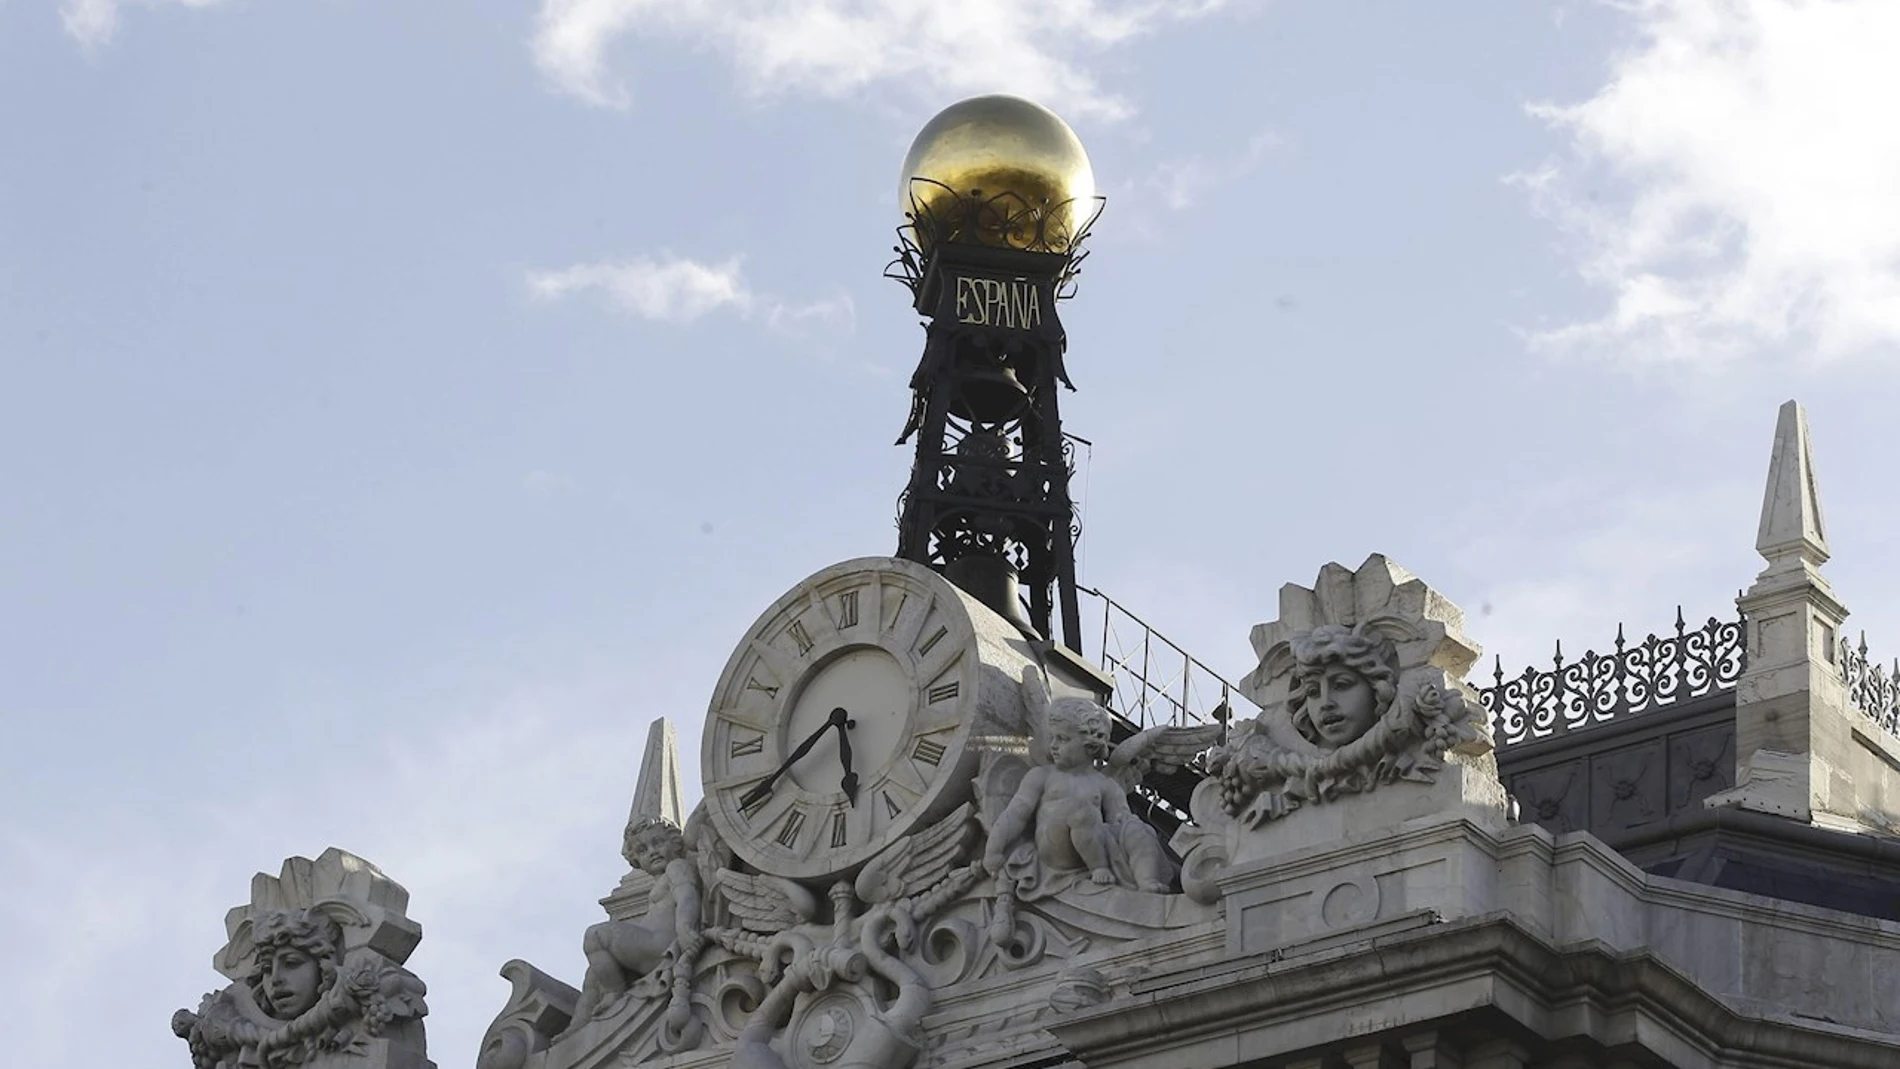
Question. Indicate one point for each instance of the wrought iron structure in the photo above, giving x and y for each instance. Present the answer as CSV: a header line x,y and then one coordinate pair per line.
x,y
988,501
997,220
1869,685
1658,672
1156,681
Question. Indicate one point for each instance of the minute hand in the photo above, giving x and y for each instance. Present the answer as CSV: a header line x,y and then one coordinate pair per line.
x,y
764,787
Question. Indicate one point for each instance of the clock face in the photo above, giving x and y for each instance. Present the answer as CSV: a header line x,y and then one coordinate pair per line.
x,y
876,653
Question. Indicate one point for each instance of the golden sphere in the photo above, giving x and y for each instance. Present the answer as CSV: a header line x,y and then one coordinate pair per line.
x,y
1002,147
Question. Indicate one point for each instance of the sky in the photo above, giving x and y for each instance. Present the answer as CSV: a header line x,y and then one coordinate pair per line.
x,y
402,405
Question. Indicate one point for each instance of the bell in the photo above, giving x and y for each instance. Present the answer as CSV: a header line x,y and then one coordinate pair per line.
x,y
992,581
988,394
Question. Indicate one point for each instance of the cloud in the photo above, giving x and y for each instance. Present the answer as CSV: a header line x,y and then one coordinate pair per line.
x,y
1731,185
93,23
837,47
669,289
676,290
1182,183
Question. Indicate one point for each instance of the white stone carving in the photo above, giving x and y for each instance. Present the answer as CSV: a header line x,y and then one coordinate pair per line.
x,y
821,1008
1365,670
539,1008
316,963
1360,683
663,945
1063,813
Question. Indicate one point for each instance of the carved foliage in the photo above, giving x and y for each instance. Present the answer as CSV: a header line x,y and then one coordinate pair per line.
x,y
1359,680
316,959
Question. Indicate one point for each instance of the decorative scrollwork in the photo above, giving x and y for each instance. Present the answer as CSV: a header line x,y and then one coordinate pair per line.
x,y
1006,220
1870,686
1660,671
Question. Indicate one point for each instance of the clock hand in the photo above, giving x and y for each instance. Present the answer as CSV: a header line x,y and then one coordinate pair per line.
x,y
764,787
849,784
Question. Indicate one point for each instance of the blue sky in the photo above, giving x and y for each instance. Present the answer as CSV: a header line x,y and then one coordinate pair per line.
x,y
401,405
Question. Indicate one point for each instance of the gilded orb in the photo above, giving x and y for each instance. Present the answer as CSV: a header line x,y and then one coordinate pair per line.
x,y
998,170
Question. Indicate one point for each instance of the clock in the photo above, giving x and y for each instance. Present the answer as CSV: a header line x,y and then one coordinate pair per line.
x,y
851,715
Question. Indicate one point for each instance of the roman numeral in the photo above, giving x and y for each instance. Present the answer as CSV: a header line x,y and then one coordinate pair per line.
x,y
847,609
931,643
891,808
757,804
744,747
929,750
788,831
801,636
838,835
943,692
753,684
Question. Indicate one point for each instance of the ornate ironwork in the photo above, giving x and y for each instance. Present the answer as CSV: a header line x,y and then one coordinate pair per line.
x,y
1000,220
988,501
1658,672
1869,685
1158,682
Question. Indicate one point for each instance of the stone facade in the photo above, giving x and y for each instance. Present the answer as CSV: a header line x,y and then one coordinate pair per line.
x,y
923,855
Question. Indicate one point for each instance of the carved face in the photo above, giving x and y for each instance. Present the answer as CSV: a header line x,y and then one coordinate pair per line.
x,y
653,849
291,981
1068,747
1095,734
1077,733
1340,703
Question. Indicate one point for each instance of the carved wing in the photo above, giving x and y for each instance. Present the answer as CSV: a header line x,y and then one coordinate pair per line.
x,y
915,863
1036,704
709,854
1160,749
1035,695
766,903
996,784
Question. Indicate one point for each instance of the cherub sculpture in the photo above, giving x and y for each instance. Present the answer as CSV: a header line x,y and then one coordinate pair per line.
x,y
620,952
1364,724
1069,814
306,987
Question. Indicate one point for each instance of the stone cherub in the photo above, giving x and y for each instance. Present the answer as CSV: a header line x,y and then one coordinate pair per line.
x,y
1068,812
620,952
316,979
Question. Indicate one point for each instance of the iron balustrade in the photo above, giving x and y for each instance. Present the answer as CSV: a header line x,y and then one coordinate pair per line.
x,y
1869,685
1658,672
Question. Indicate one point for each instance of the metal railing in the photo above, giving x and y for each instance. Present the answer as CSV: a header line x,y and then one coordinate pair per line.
x,y
1870,686
1156,681
1658,672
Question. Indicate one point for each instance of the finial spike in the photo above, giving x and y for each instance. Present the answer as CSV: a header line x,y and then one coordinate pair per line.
x,y
1791,523
657,792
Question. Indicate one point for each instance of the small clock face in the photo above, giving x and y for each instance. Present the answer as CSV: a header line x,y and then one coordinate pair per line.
x,y
882,647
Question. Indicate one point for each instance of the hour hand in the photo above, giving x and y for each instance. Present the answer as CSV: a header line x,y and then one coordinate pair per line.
x,y
849,784
764,788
